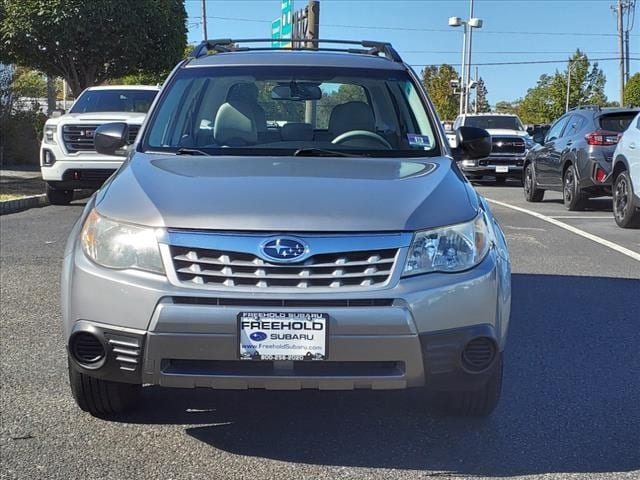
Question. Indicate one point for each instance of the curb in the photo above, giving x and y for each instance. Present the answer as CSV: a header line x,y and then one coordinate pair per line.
x,y
19,204
35,201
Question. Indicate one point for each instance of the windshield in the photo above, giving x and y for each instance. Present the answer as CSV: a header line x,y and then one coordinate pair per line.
x,y
496,122
292,110
120,100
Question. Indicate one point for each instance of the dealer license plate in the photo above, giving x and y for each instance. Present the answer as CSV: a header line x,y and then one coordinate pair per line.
x,y
282,335
502,168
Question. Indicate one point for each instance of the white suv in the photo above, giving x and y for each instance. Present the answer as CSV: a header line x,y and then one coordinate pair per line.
x,y
626,177
68,158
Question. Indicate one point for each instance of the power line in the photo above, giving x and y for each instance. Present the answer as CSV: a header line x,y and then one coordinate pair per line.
x,y
416,29
536,62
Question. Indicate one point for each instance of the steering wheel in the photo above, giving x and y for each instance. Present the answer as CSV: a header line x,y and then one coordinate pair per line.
x,y
361,135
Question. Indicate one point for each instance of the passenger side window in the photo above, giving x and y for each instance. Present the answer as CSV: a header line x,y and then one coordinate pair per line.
x,y
575,124
556,130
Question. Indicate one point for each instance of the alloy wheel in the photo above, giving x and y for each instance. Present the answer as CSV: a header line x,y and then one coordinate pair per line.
x,y
569,185
621,198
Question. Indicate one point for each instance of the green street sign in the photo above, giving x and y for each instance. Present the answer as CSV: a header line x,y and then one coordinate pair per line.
x,y
283,27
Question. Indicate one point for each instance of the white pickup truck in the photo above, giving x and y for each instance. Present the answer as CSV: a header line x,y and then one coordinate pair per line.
x,y
68,159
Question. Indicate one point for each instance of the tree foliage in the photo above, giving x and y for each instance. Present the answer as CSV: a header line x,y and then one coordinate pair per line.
x,y
480,103
632,91
88,42
28,83
437,81
547,100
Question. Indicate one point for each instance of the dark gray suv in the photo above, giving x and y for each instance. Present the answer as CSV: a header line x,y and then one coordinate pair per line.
x,y
575,155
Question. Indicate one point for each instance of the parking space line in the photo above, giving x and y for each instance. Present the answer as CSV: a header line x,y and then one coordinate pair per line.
x,y
583,217
577,231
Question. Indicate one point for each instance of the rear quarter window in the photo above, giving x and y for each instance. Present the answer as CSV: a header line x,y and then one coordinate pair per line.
x,y
617,122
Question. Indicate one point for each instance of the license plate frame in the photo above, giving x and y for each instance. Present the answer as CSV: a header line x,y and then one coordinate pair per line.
x,y
308,341
502,168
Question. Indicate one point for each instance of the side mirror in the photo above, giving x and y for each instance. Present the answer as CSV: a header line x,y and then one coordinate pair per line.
x,y
539,138
473,142
111,139
58,112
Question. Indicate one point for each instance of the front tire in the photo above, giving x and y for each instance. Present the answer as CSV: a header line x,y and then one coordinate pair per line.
x,y
572,196
531,192
59,197
101,397
624,212
474,403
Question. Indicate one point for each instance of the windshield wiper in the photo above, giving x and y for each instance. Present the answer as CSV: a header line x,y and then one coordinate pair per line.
x,y
190,151
321,152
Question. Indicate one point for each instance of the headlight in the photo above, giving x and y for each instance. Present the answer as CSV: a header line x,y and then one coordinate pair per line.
x,y
529,143
119,245
448,249
50,134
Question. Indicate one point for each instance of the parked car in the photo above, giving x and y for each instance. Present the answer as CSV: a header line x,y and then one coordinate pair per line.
x,y
68,159
337,250
626,177
575,156
510,143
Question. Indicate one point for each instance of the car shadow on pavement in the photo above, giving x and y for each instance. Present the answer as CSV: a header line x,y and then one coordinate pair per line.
x,y
570,400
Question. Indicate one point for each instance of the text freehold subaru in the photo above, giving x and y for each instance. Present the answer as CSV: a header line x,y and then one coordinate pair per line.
x,y
288,220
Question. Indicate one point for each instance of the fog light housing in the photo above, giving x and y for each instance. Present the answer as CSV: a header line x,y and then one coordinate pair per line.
x,y
468,163
48,158
86,348
479,354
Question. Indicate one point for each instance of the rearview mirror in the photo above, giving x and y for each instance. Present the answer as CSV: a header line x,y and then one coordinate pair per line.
x,y
473,142
296,91
539,138
111,139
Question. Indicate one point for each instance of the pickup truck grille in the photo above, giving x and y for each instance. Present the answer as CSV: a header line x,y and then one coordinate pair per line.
x,y
507,146
215,268
79,138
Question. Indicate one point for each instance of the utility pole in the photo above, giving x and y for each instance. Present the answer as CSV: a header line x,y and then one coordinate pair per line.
x,y
626,54
623,41
468,62
620,13
312,36
204,20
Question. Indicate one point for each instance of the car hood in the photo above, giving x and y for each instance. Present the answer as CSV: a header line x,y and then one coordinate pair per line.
x,y
288,194
99,117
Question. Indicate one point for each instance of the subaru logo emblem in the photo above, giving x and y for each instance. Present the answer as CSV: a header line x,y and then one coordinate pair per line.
x,y
258,336
284,249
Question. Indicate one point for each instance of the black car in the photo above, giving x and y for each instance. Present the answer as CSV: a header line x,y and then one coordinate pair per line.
x,y
575,156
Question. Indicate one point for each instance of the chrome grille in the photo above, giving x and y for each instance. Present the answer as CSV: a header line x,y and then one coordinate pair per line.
x,y
80,137
199,266
507,145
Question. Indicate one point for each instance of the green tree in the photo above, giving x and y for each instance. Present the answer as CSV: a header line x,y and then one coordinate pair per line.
x,y
28,83
88,42
632,91
480,103
437,81
506,107
547,100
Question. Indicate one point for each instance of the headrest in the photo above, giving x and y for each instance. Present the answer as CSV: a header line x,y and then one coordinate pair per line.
x,y
351,116
243,92
233,127
296,131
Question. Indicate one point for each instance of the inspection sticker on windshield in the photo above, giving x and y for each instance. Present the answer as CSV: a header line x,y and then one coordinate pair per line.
x,y
419,141
282,335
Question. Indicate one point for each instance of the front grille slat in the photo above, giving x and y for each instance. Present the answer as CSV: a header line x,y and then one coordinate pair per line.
x,y
79,137
507,145
199,266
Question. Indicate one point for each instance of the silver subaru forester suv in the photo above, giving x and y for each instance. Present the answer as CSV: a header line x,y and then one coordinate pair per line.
x,y
288,219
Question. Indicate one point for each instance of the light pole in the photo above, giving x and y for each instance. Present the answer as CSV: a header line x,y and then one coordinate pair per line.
x,y
465,69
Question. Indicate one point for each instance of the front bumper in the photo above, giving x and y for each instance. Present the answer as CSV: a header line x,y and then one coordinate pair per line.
x,y
493,166
408,335
82,170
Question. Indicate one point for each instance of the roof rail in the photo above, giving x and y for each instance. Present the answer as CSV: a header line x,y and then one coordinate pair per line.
x,y
225,45
587,107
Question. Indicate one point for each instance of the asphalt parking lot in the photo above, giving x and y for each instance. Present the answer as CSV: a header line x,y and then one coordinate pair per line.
x,y
570,405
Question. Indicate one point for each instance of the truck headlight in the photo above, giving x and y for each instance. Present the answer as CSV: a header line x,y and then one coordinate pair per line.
x,y
120,245
49,134
448,249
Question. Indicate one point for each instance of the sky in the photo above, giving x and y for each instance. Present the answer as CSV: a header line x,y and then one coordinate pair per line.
x,y
512,31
